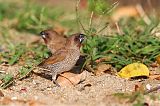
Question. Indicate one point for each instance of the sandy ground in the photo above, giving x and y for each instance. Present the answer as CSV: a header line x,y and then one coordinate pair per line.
x,y
94,91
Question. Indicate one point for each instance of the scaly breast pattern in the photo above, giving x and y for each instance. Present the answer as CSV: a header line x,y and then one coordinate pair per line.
x,y
67,63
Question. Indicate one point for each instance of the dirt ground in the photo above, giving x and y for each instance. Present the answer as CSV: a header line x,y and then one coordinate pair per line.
x,y
93,91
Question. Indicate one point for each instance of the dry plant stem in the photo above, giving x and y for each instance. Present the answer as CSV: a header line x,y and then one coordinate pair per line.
x,y
151,6
152,90
145,93
113,6
143,14
16,79
99,21
118,29
2,71
89,68
103,28
90,20
3,87
77,16
27,73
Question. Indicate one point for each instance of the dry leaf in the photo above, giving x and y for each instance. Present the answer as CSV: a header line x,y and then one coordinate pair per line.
x,y
134,70
71,79
154,65
139,87
1,94
156,76
123,12
101,69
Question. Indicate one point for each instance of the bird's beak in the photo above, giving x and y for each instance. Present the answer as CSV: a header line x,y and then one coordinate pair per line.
x,y
43,34
81,37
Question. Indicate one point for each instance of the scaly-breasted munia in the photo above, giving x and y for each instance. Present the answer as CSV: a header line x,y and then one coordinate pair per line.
x,y
53,40
65,58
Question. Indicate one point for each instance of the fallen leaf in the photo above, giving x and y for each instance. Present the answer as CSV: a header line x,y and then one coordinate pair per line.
x,y
139,87
156,76
71,79
153,65
101,69
134,70
1,94
123,12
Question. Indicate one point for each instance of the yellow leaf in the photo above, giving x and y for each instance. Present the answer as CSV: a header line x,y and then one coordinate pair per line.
x,y
134,70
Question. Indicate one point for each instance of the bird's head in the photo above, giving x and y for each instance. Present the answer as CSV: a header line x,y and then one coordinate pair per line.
x,y
76,39
49,35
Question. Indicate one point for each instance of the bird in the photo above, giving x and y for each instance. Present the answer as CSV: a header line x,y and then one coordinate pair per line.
x,y
53,40
65,58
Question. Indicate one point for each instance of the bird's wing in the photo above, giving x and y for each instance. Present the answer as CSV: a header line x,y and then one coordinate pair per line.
x,y
57,57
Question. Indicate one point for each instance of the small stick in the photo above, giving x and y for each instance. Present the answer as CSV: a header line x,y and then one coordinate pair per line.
x,y
118,29
103,28
143,14
77,15
113,6
151,7
152,90
89,68
90,20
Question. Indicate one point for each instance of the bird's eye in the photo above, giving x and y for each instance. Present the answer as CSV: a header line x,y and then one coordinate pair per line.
x,y
81,37
43,34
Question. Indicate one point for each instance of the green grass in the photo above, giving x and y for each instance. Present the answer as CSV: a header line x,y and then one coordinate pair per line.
x,y
132,46
136,44
30,17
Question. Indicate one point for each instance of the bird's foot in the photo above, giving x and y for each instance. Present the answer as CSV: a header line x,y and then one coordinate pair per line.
x,y
56,83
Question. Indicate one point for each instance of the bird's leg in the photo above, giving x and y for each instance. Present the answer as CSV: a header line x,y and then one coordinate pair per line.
x,y
54,74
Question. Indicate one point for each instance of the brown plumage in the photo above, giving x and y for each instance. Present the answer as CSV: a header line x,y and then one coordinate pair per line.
x,y
65,58
53,40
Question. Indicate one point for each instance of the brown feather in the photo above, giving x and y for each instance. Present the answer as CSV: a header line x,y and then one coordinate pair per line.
x,y
57,57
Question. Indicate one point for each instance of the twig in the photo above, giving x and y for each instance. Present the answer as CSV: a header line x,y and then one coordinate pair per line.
x,y
118,29
90,20
143,14
89,68
113,6
29,70
151,7
2,71
102,28
8,84
77,16
152,90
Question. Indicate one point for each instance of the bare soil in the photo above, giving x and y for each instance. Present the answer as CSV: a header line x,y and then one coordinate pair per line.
x,y
94,91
